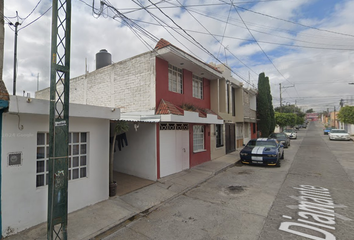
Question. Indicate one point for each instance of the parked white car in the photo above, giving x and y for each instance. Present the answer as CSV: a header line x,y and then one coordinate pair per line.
x,y
291,133
339,134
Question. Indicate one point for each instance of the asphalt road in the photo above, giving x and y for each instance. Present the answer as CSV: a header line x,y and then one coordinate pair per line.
x,y
310,197
316,200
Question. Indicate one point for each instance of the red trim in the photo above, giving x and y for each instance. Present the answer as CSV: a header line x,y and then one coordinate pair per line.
x,y
158,149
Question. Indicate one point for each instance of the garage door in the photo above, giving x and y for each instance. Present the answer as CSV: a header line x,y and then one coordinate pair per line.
x,y
174,148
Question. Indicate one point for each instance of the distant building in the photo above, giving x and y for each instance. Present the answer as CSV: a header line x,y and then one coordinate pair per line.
x,y
311,116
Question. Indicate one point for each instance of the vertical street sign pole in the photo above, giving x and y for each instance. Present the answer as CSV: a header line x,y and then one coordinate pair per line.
x,y
59,121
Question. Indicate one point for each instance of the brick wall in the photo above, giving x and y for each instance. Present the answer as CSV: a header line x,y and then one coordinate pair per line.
x,y
129,85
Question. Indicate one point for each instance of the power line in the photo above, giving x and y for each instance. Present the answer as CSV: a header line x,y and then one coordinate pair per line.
x,y
258,43
213,35
227,21
24,19
296,23
253,41
263,27
36,19
197,42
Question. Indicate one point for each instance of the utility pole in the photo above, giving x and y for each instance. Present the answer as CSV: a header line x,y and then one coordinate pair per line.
x,y
334,117
57,215
281,100
280,97
15,54
38,82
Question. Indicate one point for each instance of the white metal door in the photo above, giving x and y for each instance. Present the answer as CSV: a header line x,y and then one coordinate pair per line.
x,y
174,151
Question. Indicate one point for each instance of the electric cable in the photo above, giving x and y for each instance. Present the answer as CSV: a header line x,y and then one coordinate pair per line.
x,y
24,19
217,39
296,23
35,19
197,42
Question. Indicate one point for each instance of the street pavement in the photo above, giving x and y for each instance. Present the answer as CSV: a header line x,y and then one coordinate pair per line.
x,y
255,203
316,200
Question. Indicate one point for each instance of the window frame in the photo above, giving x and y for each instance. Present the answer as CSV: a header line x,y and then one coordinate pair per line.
x,y
198,138
76,154
175,79
197,85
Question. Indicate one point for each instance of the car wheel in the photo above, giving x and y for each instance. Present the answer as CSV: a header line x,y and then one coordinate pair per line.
x,y
282,156
278,163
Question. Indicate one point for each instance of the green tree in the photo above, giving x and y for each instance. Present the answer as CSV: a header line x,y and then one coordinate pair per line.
x,y
293,109
270,105
309,110
265,112
346,114
299,120
285,119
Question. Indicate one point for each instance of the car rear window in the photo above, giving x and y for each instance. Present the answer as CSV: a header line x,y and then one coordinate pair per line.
x,y
338,131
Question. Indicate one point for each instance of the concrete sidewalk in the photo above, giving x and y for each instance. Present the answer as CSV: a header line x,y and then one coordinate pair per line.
x,y
103,218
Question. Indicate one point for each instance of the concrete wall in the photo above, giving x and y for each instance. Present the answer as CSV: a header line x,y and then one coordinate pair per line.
x,y
216,151
24,204
129,84
139,157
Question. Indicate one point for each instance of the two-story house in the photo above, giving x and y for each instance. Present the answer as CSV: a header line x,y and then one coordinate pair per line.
x,y
165,96
237,106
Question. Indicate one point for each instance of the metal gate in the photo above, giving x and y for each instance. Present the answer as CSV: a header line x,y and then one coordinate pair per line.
x,y
230,137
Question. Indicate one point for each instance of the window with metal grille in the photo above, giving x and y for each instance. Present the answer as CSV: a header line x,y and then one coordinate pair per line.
x,y
219,135
198,138
197,87
77,157
175,79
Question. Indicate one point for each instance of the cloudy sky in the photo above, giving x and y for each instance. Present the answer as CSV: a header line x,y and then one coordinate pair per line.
x,y
306,45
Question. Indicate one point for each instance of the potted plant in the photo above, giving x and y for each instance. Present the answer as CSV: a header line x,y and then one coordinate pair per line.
x,y
119,128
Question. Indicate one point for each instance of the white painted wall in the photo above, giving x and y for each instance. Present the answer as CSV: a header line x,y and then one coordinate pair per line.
x,y
23,204
129,85
247,132
139,157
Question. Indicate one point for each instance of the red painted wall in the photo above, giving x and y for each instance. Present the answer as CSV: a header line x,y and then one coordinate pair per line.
x,y
199,157
253,135
178,99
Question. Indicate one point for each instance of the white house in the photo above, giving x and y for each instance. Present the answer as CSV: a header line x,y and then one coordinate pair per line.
x,y
24,157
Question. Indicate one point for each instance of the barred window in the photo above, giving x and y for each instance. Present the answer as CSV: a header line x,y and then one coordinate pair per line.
x,y
219,135
198,138
175,79
77,157
197,87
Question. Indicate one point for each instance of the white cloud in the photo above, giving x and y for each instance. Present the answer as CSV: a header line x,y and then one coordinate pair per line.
x,y
316,73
